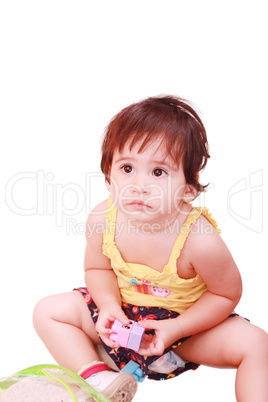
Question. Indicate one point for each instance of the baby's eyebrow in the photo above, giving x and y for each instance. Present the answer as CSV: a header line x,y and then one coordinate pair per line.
x,y
162,163
124,158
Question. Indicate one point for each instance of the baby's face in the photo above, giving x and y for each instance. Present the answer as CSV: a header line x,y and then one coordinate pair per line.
x,y
146,185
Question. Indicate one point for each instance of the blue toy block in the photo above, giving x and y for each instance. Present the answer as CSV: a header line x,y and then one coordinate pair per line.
x,y
134,369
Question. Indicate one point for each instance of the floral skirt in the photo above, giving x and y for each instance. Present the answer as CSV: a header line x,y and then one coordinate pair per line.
x,y
121,356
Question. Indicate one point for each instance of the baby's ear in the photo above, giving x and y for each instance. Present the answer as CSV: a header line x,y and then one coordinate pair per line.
x,y
190,194
108,184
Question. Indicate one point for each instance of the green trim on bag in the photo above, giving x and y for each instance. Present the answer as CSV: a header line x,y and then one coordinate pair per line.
x,y
40,370
69,389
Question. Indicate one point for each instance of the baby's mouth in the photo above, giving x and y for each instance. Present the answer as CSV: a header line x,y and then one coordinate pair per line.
x,y
138,204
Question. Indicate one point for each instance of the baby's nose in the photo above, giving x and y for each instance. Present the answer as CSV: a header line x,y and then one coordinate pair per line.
x,y
140,189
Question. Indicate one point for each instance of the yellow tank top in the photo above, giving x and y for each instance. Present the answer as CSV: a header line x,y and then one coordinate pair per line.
x,y
142,285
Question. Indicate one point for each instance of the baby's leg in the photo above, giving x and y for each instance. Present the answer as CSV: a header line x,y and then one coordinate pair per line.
x,y
235,343
64,324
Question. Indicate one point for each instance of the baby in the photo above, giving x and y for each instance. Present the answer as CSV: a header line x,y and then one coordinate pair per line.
x,y
157,260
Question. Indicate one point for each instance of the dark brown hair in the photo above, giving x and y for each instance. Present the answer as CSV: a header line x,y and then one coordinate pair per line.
x,y
172,120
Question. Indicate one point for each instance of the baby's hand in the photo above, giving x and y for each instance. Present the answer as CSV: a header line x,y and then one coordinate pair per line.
x,y
166,333
108,314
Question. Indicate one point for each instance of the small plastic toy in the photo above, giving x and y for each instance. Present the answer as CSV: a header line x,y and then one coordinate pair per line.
x,y
128,336
134,369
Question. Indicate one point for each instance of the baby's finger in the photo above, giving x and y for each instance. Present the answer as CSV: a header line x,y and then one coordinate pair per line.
x,y
145,346
149,324
120,316
156,350
146,340
112,344
101,329
145,351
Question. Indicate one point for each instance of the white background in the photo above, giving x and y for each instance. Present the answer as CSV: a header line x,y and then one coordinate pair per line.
x,y
66,68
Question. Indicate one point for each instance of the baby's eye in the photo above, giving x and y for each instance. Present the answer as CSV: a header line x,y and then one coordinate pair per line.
x,y
127,168
159,172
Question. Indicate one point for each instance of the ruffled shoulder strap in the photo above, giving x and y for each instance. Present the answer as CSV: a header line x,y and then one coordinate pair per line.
x,y
109,232
186,227
208,215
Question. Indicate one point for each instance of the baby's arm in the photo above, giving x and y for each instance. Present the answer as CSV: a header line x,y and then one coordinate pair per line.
x,y
214,263
100,279
212,260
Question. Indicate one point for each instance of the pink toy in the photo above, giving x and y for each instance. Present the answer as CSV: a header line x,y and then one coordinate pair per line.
x,y
129,336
